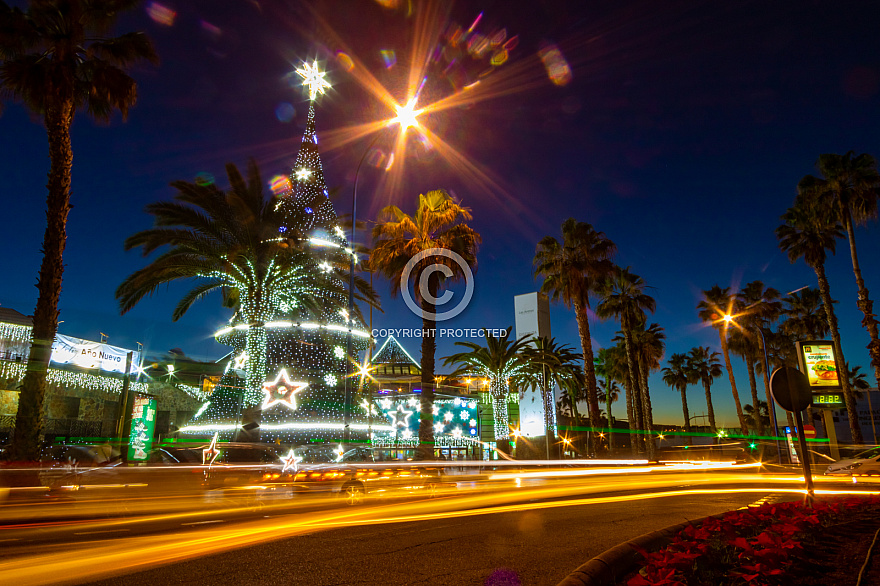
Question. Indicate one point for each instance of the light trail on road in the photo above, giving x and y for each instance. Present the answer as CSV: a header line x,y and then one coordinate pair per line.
x,y
122,555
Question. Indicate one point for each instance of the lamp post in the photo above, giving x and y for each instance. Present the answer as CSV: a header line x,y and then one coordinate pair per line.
x,y
346,434
771,406
406,117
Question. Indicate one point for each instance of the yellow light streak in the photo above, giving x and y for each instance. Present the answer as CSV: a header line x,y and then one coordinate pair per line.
x,y
124,555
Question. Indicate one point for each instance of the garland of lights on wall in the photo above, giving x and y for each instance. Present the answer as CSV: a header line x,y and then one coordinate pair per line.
x,y
15,332
15,371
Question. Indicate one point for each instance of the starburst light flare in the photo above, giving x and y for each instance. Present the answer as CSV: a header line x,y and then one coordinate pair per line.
x,y
314,79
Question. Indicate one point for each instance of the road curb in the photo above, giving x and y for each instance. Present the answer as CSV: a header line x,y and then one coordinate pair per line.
x,y
614,564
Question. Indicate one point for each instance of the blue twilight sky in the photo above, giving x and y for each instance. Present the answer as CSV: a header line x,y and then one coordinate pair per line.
x,y
682,135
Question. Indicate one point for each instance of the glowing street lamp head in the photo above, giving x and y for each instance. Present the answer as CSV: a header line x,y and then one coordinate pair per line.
x,y
313,78
727,318
406,115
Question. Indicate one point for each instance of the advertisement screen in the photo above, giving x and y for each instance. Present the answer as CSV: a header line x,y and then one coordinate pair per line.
x,y
817,362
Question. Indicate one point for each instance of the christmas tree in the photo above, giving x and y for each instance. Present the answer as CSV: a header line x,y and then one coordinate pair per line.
x,y
302,398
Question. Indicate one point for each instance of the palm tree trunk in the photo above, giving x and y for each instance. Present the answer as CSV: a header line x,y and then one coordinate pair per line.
x,y
583,322
549,416
739,410
608,401
708,386
636,394
255,374
29,420
753,385
687,415
864,302
630,414
848,396
765,367
500,390
426,399
647,412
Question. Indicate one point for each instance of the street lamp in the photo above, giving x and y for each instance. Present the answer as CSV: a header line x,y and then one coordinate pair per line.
x,y
406,117
771,407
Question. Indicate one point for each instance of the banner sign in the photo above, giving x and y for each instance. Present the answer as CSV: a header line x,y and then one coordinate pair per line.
x,y
143,426
816,360
86,354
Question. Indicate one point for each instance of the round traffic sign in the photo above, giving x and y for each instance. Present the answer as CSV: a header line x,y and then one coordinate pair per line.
x,y
790,389
809,431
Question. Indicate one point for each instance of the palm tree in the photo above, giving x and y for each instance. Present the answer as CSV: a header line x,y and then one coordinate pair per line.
x,y
805,315
742,344
676,375
805,320
762,308
571,270
718,304
549,364
808,231
608,366
618,369
650,345
503,362
439,222
572,392
610,392
852,184
229,242
760,417
703,366
859,382
623,297
56,60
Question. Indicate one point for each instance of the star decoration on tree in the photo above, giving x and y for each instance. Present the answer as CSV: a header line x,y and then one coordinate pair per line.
x,y
210,453
303,174
399,418
282,390
326,266
313,78
340,232
291,462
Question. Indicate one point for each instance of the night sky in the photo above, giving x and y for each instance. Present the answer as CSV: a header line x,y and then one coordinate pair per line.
x,y
682,135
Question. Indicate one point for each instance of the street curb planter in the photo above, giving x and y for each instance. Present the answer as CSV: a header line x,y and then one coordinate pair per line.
x,y
770,544
612,565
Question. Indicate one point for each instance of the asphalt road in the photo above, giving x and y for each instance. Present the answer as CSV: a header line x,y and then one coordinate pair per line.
x,y
536,546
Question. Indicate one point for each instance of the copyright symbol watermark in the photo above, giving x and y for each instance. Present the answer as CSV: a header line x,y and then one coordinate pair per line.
x,y
422,284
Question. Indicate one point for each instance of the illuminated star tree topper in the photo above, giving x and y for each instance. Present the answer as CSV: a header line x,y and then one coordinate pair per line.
x,y
313,78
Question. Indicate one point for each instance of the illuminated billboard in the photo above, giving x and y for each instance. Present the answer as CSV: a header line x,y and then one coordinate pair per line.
x,y
816,360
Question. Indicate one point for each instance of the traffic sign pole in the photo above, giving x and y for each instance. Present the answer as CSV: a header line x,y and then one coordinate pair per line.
x,y
805,457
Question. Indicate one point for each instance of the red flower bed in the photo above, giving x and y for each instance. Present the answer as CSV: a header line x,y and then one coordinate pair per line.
x,y
752,546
